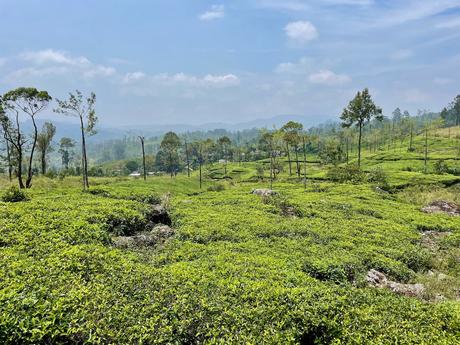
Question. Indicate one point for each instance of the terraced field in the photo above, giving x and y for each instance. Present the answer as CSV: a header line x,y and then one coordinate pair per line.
x,y
235,267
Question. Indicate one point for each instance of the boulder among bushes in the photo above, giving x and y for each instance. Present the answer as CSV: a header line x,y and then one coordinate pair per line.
x,y
264,192
442,206
379,280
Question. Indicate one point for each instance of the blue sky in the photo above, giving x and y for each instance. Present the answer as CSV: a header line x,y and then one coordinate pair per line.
x,y
185,61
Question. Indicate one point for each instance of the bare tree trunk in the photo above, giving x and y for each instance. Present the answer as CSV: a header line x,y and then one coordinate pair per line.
x,y
8,158
426,150
289,159
359,143
411,136
304,164
271,168
347,144
43,161
29,172
201,162
297,161
143,157
188,159
83,156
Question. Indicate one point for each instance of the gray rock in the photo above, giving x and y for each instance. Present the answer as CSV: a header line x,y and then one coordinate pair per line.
x,y
159,215
162,232
442,206
379,280
264,192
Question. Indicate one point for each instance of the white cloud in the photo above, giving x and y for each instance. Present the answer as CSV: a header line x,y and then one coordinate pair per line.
x,y
34,72
184,80
222,80
53,62
133,77
283,5
302,66
301,32
412,10
216,12
53,56
350,2
327,77
401,54
208,80
3,61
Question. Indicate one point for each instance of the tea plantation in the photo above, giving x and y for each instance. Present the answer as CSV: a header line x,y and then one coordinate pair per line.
x,y
239,268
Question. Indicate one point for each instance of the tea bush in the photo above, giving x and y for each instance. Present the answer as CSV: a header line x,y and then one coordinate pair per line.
x,y
238,270
14,194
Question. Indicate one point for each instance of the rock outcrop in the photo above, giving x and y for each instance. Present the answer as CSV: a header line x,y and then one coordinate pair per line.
x,y
379,280
442,206
264,192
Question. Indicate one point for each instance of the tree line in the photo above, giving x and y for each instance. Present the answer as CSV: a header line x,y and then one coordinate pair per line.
x,y
363,127
20,147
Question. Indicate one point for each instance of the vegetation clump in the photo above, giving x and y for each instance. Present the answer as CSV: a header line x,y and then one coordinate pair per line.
x,y
14,194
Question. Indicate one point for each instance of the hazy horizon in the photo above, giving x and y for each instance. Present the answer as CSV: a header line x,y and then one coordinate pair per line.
x,y
175,62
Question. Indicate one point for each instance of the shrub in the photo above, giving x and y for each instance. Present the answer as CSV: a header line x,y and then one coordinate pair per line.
x,y
216,188
441,167
379,177
348,173
260,171
14,194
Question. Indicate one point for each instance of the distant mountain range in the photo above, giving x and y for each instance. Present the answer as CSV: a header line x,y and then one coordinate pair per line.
x,y
70,129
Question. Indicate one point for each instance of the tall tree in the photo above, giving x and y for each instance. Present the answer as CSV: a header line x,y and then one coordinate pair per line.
x,y
76,105
224,144
8,147
170,144
65,149
187,156
31,102
44,140
359,111
9,118
142,139
455,106
304,147
291,136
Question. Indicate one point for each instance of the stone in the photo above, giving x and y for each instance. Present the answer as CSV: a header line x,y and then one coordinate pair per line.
x,y
442,206
159,215
264,192
379,280
162,232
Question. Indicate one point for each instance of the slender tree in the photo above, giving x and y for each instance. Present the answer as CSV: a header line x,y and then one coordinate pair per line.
x,y
170,144
360,111
291,136
4,129
224,143
304,146
65,150
29,101
76,105
142,139
187,156
44,140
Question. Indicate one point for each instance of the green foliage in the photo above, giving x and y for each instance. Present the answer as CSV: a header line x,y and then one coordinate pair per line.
x,y
378,177
287,269
131,166
216,188
14,194
348,173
